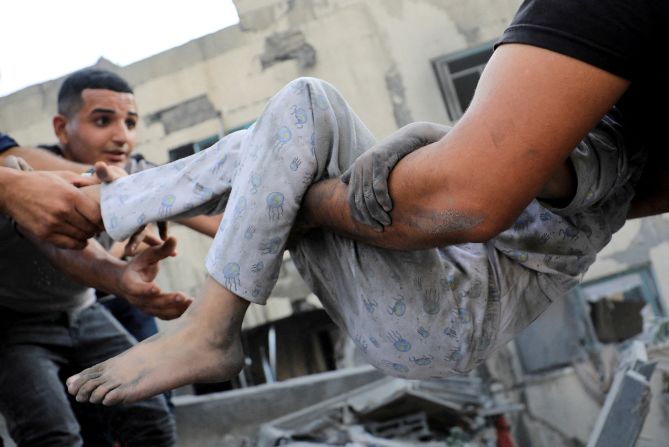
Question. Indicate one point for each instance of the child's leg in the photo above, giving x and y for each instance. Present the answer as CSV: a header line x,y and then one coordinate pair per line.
x,y
204,347
306,133
427,313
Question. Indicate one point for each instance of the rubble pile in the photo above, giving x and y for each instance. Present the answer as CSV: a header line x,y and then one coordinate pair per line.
x,y
454,412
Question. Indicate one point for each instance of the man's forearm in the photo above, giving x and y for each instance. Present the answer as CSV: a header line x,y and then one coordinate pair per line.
x,y
419,219
92,266
43,160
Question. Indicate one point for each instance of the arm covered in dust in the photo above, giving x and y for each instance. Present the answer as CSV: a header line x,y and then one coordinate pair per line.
x,y
132,280
531,108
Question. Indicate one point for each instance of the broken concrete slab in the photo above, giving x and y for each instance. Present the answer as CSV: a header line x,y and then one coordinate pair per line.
x,y
205,421
391,412
628,402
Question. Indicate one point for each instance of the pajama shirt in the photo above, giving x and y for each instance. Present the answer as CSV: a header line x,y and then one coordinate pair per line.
x,y
414,314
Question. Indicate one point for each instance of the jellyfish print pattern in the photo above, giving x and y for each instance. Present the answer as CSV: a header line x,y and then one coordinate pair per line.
x,y
166,205
203,192
271,246
300,116
397,368
281,138
424,333
231,274
295,164
240,208
256,181
275,206
431,304
370,304
399,307
424,360
250,231
400,343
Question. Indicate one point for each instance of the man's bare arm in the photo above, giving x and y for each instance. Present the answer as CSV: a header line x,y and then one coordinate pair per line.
x,y
531,108
49,206
133,280
43,160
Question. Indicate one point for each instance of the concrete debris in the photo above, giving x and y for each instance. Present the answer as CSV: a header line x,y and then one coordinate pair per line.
x,y
458,411
624,412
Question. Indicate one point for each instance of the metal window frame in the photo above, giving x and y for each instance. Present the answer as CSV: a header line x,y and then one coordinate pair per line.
x,y
445,77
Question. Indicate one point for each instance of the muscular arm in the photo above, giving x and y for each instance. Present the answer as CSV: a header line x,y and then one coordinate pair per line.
x,y
532,106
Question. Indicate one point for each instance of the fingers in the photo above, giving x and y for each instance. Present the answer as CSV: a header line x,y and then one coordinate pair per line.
x,y
80,181
18,163
380,174
375,209
108,174
153,255
152,240
83,223
162,229
364,200
59,232
132,246
166,306
89,205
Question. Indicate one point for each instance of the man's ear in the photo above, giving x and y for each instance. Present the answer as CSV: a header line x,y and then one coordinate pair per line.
x,y
59,127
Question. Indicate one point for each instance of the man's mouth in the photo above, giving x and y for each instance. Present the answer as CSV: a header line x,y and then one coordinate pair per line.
x,y
115,156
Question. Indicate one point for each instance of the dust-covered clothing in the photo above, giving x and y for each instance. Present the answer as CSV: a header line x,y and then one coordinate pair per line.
x,y
415,314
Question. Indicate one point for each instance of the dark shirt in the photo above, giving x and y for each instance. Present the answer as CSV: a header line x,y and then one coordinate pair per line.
x,y
622,37
6,142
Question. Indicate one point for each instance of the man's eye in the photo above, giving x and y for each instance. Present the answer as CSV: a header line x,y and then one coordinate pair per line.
x,y
102,121
131,124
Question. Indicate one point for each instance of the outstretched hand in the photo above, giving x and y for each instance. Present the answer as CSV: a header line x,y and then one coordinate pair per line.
x,y
138,286
367,179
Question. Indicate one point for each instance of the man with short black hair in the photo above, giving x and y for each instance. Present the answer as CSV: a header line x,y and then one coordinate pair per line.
x,y
50,324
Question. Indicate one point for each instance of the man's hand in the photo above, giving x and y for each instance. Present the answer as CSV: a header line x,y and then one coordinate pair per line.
x,y
137,285
368,196
50,207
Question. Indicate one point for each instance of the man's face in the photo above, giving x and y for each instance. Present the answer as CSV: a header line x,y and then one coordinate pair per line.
x,y
104,128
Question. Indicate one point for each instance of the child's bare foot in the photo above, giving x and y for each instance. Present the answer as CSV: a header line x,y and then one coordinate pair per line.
x,y
205,347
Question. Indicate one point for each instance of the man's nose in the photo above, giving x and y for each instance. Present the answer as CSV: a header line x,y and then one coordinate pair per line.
x,y
122,135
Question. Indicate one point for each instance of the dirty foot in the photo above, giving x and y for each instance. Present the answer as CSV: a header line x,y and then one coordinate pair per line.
x,y
206,347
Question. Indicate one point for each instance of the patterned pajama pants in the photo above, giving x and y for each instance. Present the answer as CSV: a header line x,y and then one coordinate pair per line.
x,y
415,314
